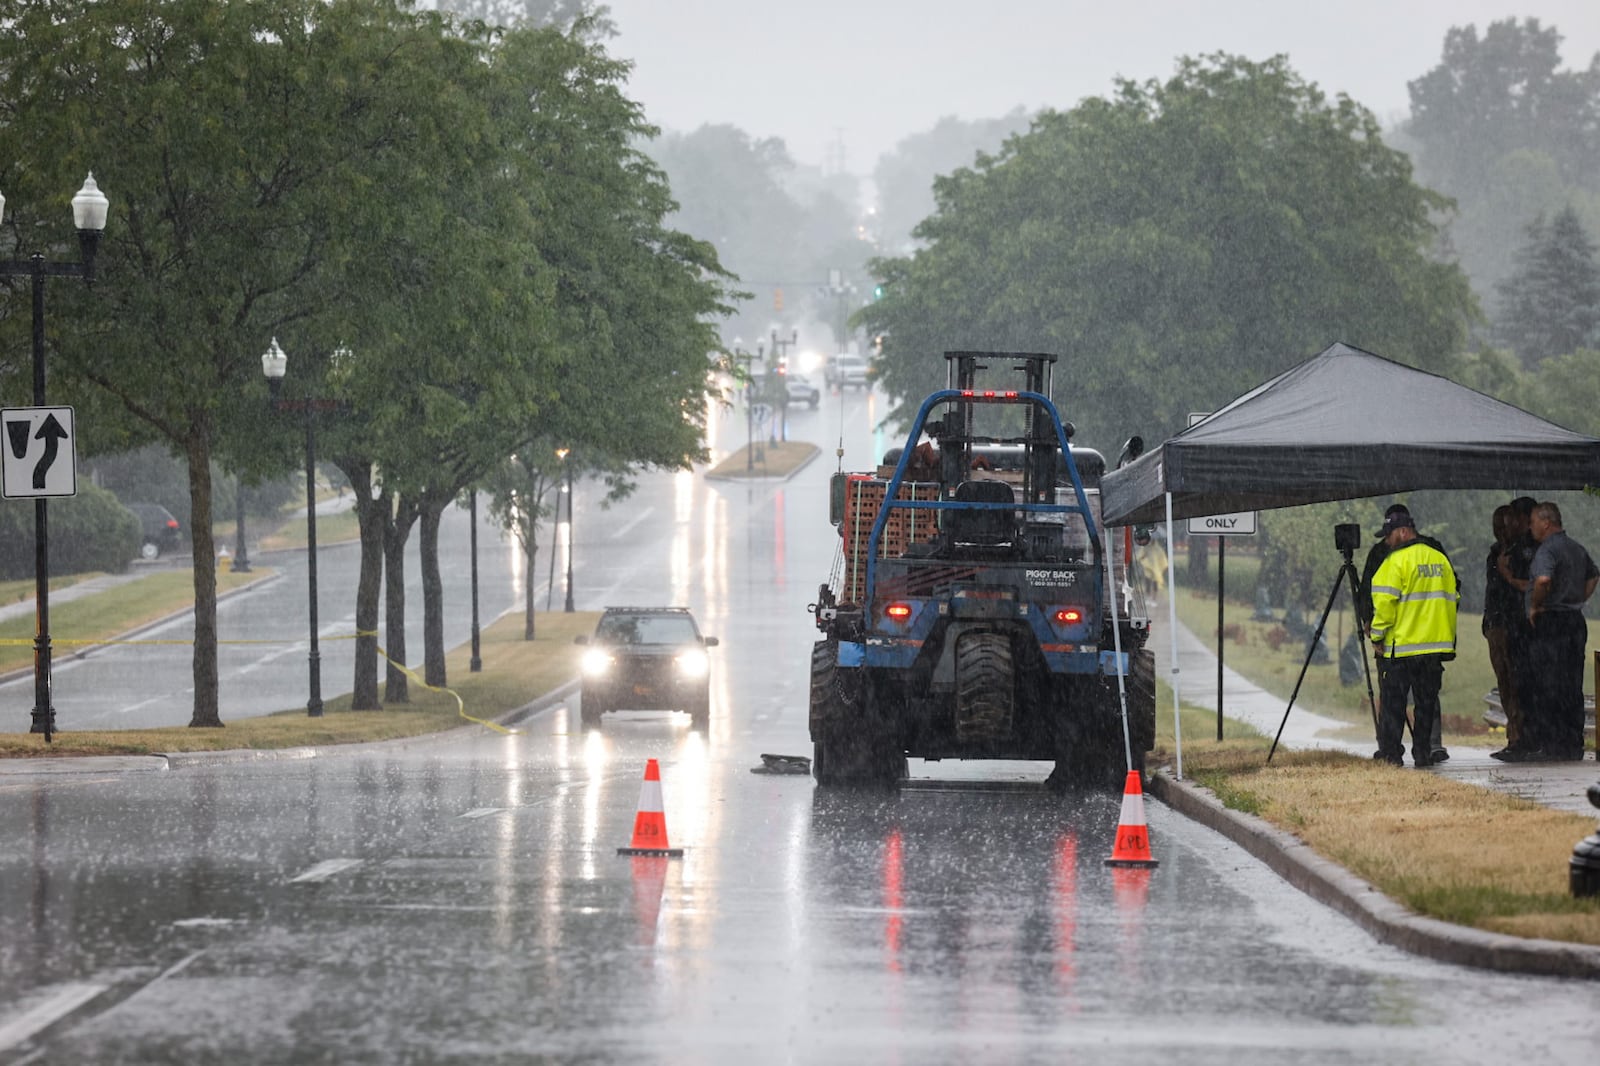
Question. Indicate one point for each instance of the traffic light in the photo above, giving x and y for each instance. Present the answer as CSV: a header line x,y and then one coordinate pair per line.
x,y
777,299
877,291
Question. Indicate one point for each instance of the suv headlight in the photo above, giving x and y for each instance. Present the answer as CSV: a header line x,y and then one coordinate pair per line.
x,y
597,662
693,663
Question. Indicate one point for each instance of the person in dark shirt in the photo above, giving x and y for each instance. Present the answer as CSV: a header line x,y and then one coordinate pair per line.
x,y
1515,561
1561,579
1501,607
1375,557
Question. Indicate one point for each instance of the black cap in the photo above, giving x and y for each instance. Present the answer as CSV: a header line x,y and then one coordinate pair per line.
x,y
1395,509
1524,505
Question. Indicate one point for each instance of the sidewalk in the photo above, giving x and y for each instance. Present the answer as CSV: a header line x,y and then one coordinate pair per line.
x,y
1557,785
26,608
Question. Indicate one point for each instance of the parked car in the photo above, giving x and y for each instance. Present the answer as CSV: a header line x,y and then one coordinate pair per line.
x,y
159,530
846,369
646,658
802,391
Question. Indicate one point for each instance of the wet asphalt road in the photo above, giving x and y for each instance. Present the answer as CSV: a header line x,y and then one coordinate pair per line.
x,y
461,899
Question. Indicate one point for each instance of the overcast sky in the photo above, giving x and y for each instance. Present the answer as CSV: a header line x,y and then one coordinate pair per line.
x,y
866,73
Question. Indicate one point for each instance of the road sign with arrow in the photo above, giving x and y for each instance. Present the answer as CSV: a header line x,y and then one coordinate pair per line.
x,y
40,452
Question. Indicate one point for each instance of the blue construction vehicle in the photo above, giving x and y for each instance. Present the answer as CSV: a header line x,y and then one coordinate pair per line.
x,y
969,612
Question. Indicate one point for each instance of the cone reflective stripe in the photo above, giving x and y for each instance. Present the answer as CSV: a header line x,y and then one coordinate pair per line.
x,y
1133,836
650,823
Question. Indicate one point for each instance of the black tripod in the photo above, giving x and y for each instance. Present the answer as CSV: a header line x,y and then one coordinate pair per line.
x,y
1346,572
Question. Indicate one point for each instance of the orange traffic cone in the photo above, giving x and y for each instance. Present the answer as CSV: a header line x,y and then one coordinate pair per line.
x,y
1133,837
650,824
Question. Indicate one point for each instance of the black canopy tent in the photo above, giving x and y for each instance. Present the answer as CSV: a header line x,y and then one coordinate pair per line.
x,y
1342,425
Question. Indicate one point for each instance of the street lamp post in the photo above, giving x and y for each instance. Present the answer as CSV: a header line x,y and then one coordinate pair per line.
x,y
564,453
89,209
475,664
273,364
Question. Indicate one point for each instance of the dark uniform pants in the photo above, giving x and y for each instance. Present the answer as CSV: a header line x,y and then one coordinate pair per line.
x,y
1418,676
1555,658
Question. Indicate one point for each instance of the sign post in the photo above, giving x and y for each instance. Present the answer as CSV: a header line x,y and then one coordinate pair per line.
x,y
1221,526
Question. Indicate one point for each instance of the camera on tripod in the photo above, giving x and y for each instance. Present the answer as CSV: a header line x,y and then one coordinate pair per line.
x,y
1347,536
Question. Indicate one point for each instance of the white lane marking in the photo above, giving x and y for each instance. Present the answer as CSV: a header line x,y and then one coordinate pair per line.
x,y
640,517
324,870
58,1003
480,812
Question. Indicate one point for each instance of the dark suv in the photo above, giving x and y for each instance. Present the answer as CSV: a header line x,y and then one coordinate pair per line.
x,y
647,658
159,531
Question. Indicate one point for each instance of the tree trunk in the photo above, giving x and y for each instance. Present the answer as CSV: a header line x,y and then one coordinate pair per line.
x,y
206,714
370,514
529,554
397,522
433,671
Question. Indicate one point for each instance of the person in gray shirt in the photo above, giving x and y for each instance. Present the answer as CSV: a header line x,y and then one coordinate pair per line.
x,y
1561,579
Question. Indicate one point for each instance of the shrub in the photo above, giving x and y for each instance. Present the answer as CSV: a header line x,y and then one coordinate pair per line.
x,y
89,531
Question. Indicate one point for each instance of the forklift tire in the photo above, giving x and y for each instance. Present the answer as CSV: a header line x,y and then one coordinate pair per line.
x,y
984,687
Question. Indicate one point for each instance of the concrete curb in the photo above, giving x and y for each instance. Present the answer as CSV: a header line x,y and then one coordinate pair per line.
x,y
182,759
1387,921
89,649
729,479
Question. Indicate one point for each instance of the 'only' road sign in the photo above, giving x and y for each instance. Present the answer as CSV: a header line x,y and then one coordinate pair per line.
x,y
40,452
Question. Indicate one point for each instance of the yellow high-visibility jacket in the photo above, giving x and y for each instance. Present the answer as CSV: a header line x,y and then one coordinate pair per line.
x,y
1414,602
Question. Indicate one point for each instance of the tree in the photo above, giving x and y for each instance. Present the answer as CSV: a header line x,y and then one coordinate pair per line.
x,y
1175,244
1507,133
619,369
561,14
247,147
518,490
1550,305
904,176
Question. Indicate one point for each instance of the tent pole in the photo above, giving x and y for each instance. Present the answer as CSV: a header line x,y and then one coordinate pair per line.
x,y
1172,639
1116,637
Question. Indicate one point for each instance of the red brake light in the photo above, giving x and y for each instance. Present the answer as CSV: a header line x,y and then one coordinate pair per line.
x,y
899,611
172,523
1068,616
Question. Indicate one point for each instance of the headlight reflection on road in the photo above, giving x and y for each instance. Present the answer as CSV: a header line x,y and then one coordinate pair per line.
x,y
678,569
691,826
505,846
596,754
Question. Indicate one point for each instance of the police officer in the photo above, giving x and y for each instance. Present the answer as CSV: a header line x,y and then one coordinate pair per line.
x,y
1515,563
1561,579
1375,557
1414,598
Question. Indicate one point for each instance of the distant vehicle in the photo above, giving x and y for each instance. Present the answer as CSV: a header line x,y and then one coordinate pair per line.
x,y
802,391
646,658
846,369
159,531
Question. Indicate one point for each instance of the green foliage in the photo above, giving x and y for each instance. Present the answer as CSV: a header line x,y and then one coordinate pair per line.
x,y
1176,244
462,209
89,531
775,226
1550,305
904,177
1507,133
